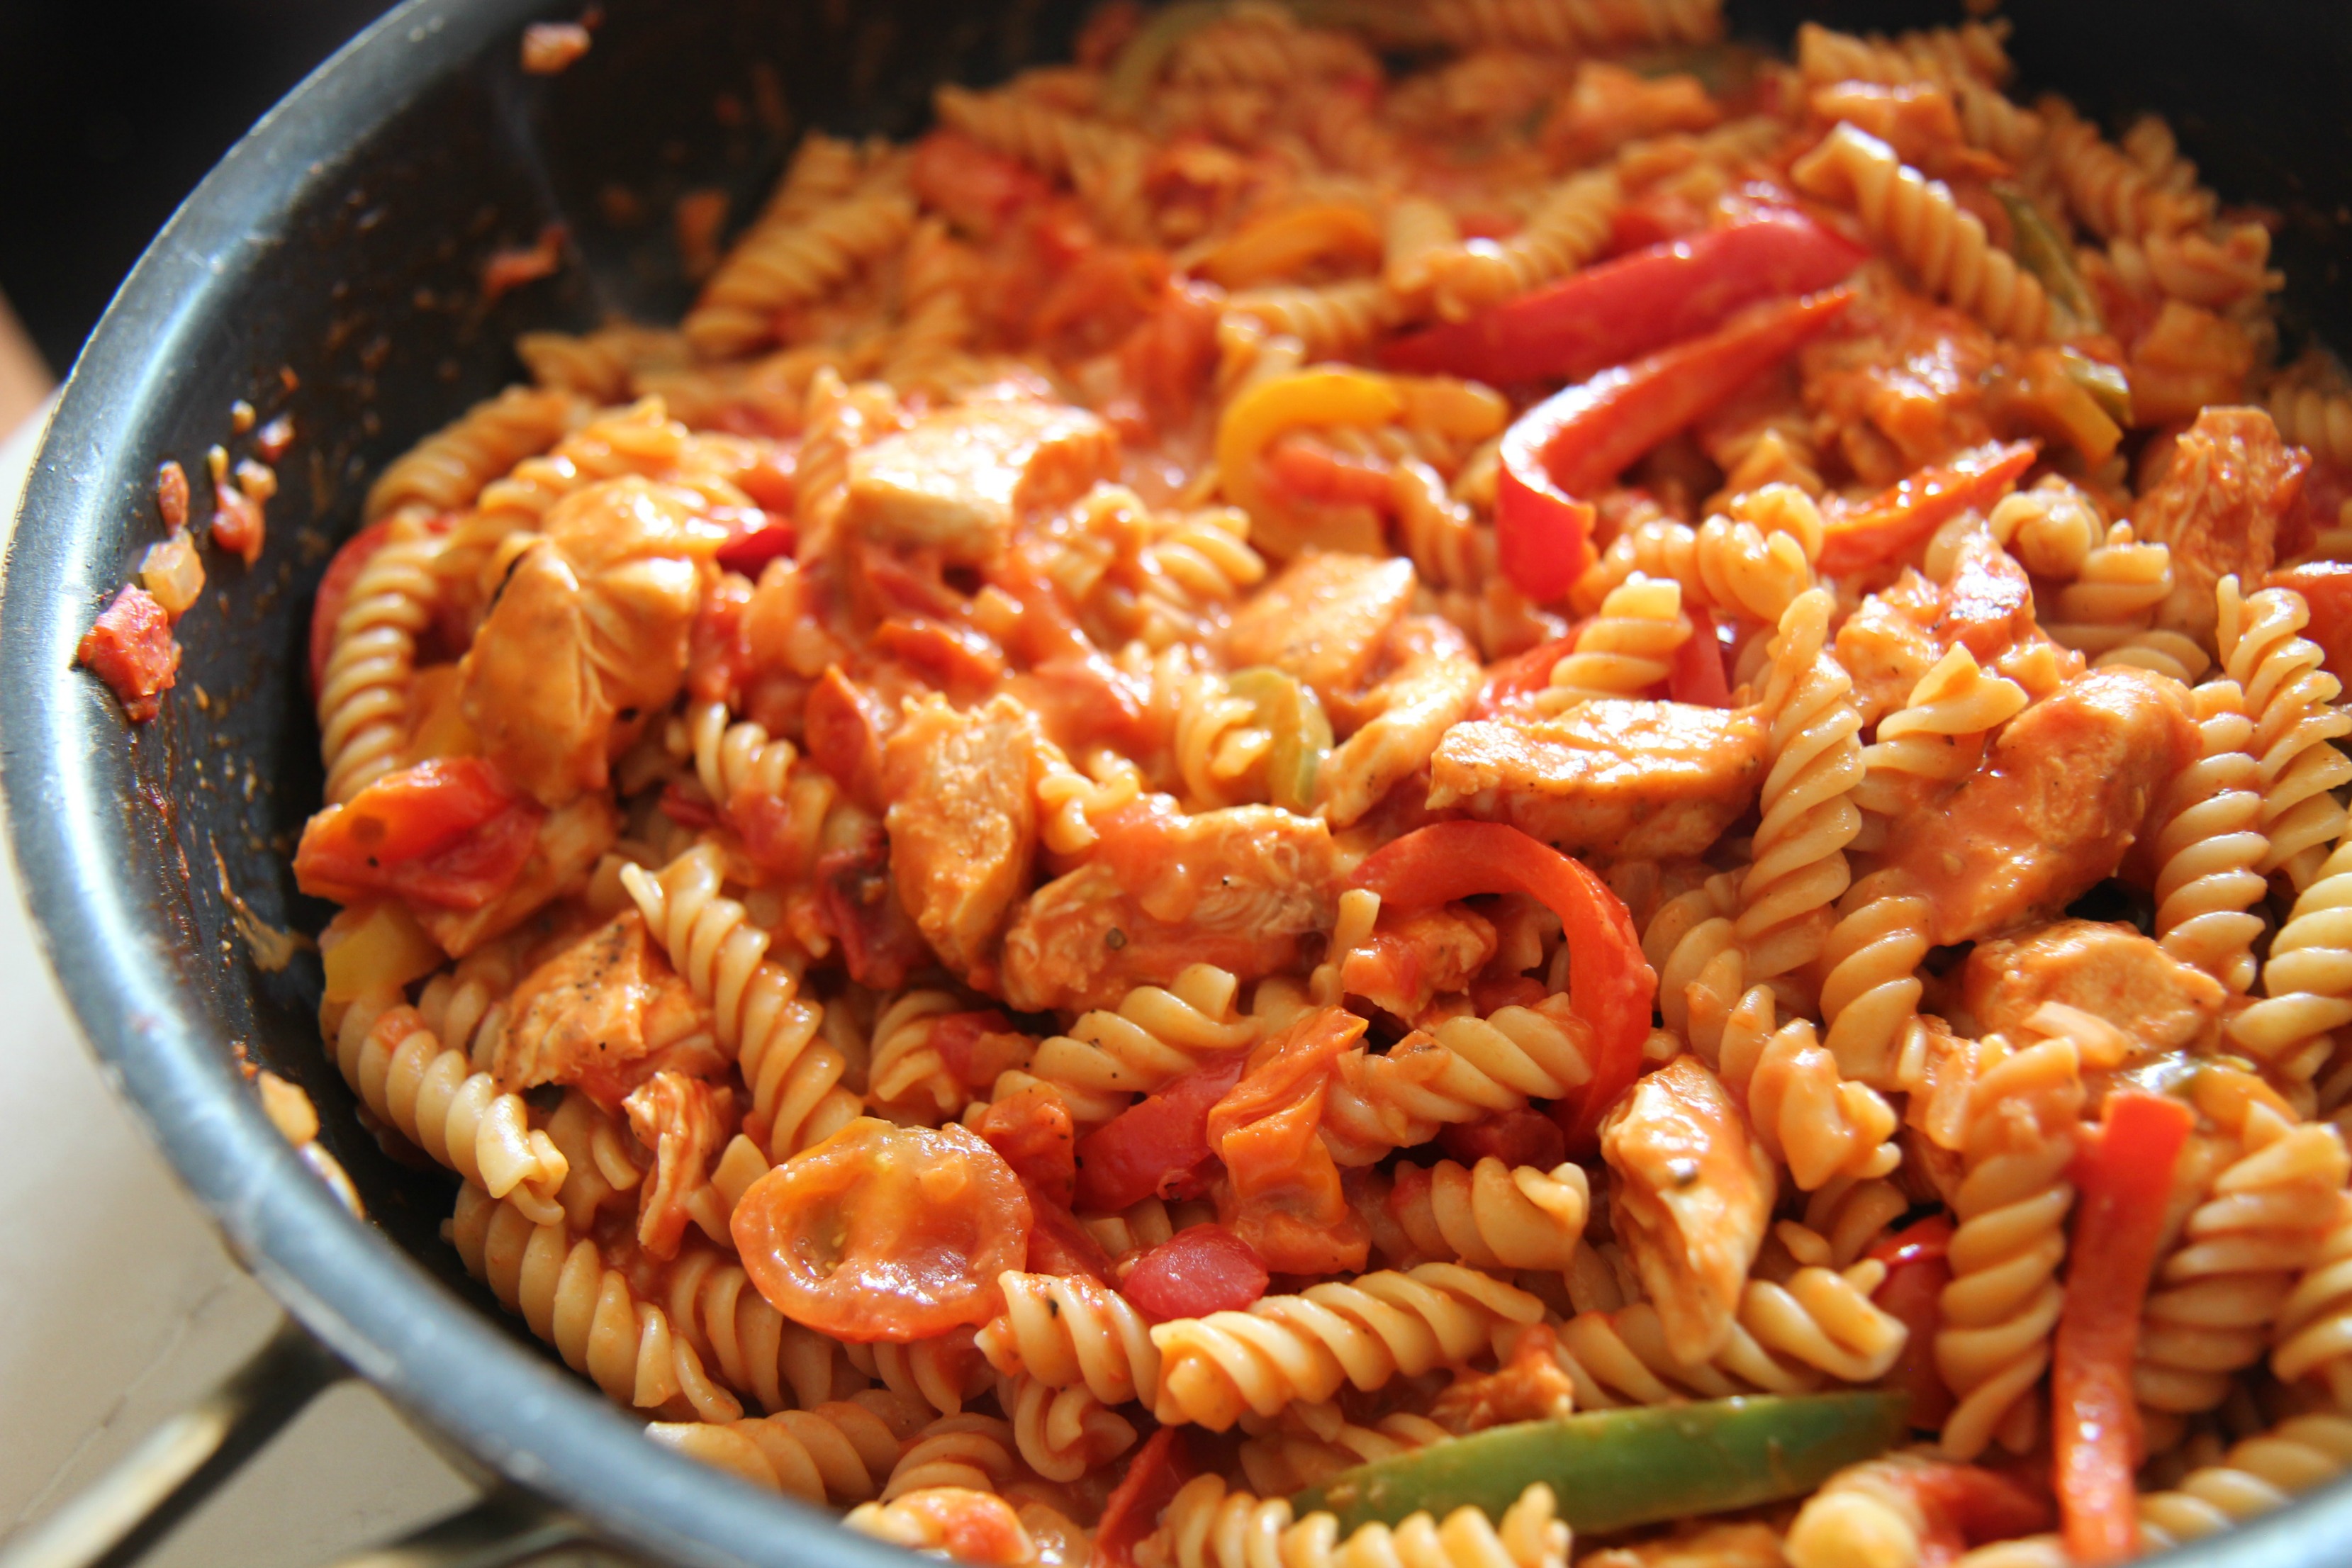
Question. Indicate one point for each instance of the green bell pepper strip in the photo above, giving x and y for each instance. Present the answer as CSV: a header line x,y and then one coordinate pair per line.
x,y
1611,1469
2041,250
1293,715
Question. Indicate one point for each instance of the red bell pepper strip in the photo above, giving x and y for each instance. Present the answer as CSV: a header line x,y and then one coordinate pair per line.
x,y
1895,520
1158,1470
754,538
1610,986
1201,1270
1634,305
2126,1180
1696,675
1512,683
1918,1269
1577,440
1155,1143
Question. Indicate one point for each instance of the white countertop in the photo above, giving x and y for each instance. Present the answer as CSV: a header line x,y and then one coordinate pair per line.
x,y
122,1305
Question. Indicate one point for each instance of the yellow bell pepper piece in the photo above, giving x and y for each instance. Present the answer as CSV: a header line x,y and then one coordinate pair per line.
x,y
1265,413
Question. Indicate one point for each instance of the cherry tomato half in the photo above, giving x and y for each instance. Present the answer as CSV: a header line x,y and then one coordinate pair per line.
x,y
884,1232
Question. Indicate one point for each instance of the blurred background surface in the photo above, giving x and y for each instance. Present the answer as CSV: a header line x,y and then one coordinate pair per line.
x,y
110,112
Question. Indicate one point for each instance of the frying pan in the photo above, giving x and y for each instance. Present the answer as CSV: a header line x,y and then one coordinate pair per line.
x,y
329,270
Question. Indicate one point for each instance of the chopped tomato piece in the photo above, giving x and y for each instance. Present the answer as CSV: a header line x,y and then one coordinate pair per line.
x,y
1201,1270
131,649
1285,1198
1058,1243
452,833
1521,1137
2326,587
977,189
334,589
754,537
1156,1144
1611,984
1031,1129
717,656
961,1040
1913,1291
861,909
842,727
885,1232
1895,520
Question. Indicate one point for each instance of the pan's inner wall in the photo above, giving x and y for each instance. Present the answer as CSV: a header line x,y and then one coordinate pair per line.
x,y
361,319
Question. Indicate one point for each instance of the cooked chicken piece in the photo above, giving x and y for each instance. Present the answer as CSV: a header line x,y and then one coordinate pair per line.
x,y
1417,957
1620,780
685,1122
2054,806
1988,601
962,823
1886,645
1529,1386
2111,972
1160,890
588,636
1693,1197
2218,506
598,1013
1435,678
570,841
1324,619
958,480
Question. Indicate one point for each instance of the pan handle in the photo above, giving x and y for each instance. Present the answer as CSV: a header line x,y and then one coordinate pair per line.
x,y
147,1492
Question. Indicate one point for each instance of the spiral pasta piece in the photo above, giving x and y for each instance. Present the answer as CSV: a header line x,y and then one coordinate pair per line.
x,y
939,1374
1332,321
1309,1444
2210,1310
970,1450
760,1352
1968,62
1062,1433
1819,1124
1784,1338
1870,985
1361,1333
839,1452
781,264
1045,138
1623,651
1066,1330
2210,844
1809,816
1464,1068
2320,421
363,693
2296,723
1569,23
2257,1476
2003,1301
1155,1034
1263,46
1753,563
756,1008
448,469
1939,735
2307,978
432,1096
1205,1526
904,1072
1489,1215
2108,191
560,1285
600,366
2313,1337
1944,245
1567,229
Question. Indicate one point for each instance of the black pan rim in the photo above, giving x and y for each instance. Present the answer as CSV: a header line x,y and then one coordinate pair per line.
x,y
434,1356
368,1301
